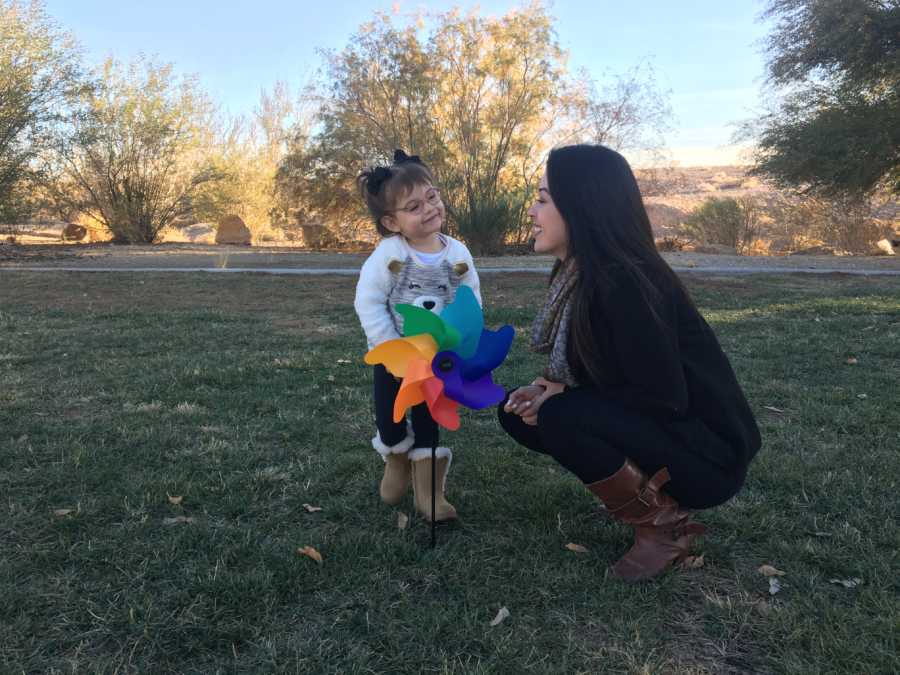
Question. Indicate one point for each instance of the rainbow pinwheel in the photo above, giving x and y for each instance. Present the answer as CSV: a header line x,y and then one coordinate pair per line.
x,y
445,361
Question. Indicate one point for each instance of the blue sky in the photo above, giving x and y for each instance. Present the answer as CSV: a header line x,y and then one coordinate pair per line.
x,y
706,52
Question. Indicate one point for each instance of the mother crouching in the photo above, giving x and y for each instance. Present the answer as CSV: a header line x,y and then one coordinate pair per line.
x,y
638,400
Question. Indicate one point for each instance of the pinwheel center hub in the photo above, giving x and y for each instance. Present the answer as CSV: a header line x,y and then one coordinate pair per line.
x,y
445,364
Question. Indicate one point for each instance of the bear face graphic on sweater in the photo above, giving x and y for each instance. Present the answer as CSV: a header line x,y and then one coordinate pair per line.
x,y
430,287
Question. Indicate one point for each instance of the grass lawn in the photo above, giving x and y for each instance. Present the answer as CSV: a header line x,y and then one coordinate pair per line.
x,y
245,396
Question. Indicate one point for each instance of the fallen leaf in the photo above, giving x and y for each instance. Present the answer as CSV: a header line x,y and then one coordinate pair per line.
x,y
188,408
862,396
311,509
59,513
175,500
501,616
343,360
774,409
690,263
769,571
852,361
577,548
310,552
178,520
774,585
330,378
402,520
693,562
847,583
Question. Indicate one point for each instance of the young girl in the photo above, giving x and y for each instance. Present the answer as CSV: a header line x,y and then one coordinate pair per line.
x,y
637,384
414,264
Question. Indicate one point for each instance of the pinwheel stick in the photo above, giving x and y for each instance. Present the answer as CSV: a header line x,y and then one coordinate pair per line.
x,y
433,489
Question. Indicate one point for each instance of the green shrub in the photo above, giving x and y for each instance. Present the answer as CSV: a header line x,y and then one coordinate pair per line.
x,y
486,226
729,222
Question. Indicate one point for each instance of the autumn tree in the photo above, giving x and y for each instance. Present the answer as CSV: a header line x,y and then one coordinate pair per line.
x,y
39,68
246,154
137,149
480,99
376,95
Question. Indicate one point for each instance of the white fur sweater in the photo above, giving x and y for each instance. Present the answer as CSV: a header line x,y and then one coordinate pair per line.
x,y
394,275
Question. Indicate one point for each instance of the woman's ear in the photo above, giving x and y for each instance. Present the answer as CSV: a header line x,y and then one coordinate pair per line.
x,y
390,223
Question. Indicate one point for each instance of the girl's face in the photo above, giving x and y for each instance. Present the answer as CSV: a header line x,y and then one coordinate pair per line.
x,y
547,226
418,215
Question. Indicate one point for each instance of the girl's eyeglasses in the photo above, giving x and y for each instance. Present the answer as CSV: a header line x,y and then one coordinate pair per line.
x,y
415,207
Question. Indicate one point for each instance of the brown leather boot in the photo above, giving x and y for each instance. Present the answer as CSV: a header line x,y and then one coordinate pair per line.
x,y
663,531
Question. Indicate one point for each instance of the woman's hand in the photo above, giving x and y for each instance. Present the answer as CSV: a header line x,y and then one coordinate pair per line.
x,y
550,389
521,399
531,399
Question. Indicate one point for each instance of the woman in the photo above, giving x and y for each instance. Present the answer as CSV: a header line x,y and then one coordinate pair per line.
x,y
637,385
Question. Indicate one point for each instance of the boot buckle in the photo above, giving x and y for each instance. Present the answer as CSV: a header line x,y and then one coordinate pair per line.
x,y
646,495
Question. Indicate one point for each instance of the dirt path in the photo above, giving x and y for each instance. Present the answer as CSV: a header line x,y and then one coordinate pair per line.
x,y
192,257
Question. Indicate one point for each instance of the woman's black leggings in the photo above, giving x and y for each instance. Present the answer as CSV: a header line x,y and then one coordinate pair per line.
x,y
592,436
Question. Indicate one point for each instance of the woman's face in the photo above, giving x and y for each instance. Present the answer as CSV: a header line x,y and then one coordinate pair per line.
x,y
547,226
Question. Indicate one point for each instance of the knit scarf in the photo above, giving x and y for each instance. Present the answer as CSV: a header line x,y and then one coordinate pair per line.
x,y
550,331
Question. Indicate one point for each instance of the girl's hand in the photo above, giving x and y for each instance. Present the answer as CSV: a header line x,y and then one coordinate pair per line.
x,y
530,414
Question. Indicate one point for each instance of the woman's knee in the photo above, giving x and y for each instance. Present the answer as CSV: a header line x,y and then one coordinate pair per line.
x,y
505,418
516,428
554,419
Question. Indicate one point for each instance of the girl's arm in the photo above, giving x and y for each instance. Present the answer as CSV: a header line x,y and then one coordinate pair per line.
x,y
371,303
470,278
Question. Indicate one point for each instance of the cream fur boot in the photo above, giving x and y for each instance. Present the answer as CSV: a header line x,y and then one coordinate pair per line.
x,y
421,479
395,481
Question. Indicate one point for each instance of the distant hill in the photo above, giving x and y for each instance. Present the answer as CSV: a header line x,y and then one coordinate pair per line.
x,y
670,194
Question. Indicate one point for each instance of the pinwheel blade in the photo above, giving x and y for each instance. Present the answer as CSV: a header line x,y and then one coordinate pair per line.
x,y
411,392
425,344
396,354
442,409
492,349
418,321
465,315
475,394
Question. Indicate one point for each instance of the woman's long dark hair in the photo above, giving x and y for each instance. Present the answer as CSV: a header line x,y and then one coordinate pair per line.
x,y
596,193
